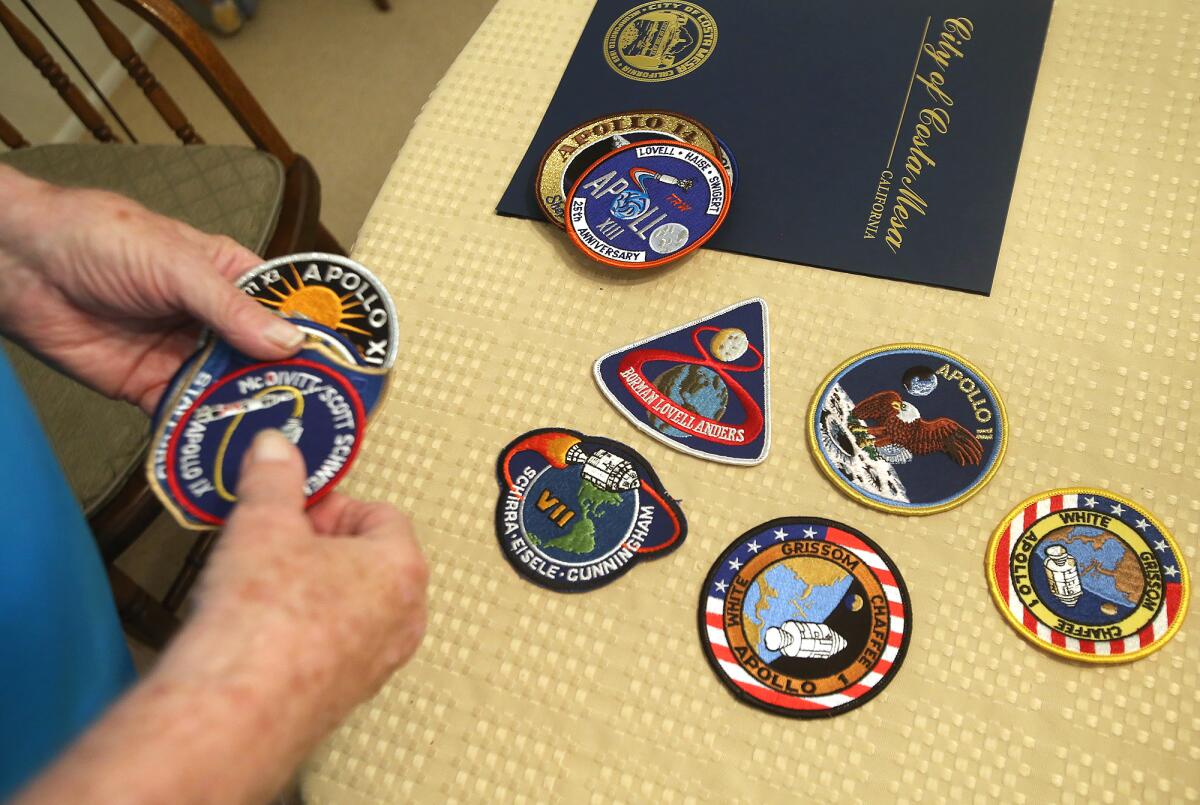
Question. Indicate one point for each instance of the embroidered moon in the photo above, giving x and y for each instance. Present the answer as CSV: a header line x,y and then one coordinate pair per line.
x,y
729,344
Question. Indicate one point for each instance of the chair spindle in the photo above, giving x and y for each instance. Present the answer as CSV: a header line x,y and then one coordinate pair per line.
x,y
121,48
36,52
9,134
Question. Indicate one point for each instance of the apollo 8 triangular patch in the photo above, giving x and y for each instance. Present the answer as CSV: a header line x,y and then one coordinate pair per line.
x,y
703,387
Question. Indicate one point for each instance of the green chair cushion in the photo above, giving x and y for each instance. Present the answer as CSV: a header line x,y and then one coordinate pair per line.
x,y
98,441
229,190
222,189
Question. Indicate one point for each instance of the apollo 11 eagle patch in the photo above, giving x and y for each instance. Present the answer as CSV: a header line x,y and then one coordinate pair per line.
x,y
577,512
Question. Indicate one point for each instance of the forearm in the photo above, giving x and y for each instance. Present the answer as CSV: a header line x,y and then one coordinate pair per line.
x,y
206,726
26,205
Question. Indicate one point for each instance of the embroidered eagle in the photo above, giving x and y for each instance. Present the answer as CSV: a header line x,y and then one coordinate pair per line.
x,y
900,433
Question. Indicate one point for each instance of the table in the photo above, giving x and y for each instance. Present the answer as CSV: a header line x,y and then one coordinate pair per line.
x,y
521,694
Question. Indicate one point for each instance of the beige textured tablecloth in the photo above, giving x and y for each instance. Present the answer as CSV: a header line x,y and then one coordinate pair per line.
x,y
521,694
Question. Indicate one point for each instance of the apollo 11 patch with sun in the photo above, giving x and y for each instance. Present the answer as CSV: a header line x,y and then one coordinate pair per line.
x,y
335,292
1088,575
647,203
908,428
804,617
577,512
703,388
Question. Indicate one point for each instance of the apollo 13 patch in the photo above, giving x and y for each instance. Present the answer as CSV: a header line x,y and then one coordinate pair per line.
x,y
703,388
908,428
804,617
1088,575
577,512
647,203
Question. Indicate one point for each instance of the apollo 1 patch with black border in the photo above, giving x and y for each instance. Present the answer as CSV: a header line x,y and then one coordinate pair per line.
x,y
1088,575
908,428
577,512
335,292
804,617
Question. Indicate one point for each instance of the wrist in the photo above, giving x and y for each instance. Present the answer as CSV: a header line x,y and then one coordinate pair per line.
x,y
29,207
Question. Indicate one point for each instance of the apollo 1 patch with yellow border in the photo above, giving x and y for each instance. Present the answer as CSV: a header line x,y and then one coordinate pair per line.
x,y
1088,575
577,512
804,617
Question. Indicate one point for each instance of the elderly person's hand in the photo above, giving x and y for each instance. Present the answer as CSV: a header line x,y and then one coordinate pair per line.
x,y
116,295
300,614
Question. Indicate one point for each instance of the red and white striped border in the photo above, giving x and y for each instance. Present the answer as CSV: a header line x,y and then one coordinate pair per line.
x,y
1031,625
748,684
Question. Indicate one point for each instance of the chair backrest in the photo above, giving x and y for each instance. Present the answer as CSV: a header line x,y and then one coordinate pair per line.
x,y
185,35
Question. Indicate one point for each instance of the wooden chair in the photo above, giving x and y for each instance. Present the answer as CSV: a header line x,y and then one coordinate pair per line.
x,y
120,511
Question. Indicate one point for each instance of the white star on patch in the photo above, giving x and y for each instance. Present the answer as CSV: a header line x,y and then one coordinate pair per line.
x,y
1161,545
1141,524
780,535
1171,570
1089,502
721,586
735,564
810,533
754,547
1118,509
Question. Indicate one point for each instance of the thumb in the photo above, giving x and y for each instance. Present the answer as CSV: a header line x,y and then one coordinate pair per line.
x,y
235,317
273,475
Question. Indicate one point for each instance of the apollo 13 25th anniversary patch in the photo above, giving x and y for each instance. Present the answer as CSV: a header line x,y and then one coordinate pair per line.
x,y
1088,575
908,428
804,617
577,512
647,203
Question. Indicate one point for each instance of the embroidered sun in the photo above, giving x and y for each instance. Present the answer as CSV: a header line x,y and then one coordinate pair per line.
x,y
316,303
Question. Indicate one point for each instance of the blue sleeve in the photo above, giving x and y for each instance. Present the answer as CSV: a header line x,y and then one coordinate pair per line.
x,y
63,658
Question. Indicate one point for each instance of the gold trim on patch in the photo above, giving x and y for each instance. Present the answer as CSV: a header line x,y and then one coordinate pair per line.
x,y
848,489
549,186
1000,599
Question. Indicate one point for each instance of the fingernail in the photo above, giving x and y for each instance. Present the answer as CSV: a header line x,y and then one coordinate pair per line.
x,y
283,334
272,445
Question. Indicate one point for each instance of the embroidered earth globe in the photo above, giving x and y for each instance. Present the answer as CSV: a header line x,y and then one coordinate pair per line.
x,y
694,388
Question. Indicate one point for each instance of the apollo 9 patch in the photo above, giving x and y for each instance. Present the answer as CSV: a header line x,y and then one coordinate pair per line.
x,y
908,428
335,292
648,203
804,617
1088,575
311,402
577,512
703,388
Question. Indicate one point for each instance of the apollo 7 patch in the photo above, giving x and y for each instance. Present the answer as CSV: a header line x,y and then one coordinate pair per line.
x,y
577,512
